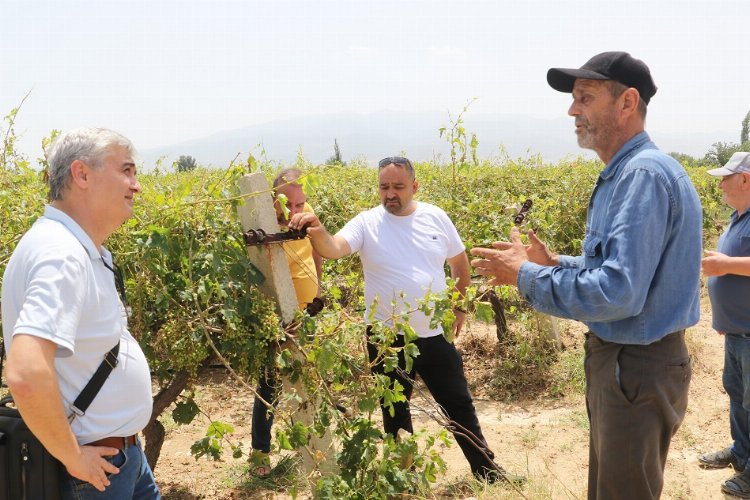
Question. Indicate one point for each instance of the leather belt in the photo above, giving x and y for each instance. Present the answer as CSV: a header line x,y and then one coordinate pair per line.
x,y
120,443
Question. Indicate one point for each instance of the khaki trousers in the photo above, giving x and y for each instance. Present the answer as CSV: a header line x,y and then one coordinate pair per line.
x,y
636,397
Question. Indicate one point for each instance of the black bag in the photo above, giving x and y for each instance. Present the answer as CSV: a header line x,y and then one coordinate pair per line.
x,y
27,470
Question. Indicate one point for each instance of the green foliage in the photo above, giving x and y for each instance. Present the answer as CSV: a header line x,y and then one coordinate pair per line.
x,y
460,143
745,133
189,281
211,444
686,160
720,152
374,465
185,411
9,157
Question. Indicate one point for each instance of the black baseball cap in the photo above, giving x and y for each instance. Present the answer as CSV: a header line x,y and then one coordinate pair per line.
x,y
618,66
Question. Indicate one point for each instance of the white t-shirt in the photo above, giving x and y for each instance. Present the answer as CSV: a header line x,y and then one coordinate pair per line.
x,y
403,255
57,287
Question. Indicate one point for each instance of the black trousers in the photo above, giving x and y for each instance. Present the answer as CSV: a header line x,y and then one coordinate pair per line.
x,y
636,397
441,368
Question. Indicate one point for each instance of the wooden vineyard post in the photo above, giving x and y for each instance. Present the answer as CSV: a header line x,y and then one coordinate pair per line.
x,y
257,212
549,327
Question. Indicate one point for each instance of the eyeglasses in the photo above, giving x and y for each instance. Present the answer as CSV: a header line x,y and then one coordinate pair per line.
x,y
396,160
521,215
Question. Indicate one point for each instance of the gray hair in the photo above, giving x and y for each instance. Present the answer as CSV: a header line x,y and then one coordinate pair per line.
x,y
89,145
616,89
287,176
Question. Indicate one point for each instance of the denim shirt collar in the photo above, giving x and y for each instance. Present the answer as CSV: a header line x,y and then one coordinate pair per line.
x,y
737,216
633,144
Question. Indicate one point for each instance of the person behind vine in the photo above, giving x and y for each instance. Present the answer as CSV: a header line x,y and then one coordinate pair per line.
x,y
306,267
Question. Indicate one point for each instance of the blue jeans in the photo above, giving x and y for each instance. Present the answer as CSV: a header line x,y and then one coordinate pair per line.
x,y
135,480
737,384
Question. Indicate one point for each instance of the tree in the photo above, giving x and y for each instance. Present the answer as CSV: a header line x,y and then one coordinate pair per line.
x,y
720,152
745,134
185,163
336,158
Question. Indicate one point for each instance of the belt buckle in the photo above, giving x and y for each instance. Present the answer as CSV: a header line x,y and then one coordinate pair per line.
x,y
111,360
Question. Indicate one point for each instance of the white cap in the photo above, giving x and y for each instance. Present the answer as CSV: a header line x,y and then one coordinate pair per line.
x,y
739,162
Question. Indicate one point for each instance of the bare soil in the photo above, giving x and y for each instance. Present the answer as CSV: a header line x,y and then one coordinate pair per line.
x,y
544,439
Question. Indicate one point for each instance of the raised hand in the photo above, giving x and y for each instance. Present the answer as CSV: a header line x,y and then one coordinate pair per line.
x,y
538,252
503,262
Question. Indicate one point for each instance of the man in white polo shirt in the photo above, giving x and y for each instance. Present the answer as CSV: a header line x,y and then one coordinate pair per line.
x,y
404,245
61,314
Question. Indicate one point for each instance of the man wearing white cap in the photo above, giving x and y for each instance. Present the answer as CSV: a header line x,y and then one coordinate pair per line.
x,y
728,272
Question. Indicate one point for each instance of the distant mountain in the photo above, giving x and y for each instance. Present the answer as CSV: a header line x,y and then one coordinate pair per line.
x,y
376,135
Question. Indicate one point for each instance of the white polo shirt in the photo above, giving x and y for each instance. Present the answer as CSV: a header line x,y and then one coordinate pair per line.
x,y
57,287
403,257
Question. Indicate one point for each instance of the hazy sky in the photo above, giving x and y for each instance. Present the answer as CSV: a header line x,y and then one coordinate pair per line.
x,y
162,72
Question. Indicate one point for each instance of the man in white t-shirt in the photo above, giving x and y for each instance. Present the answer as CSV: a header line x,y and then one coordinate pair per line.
x,y
61,314
403,245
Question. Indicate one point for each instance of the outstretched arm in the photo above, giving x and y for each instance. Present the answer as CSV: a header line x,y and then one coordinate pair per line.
x,y
324,243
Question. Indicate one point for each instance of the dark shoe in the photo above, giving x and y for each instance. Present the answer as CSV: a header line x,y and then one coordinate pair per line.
x,y
720,459
495,475
737,486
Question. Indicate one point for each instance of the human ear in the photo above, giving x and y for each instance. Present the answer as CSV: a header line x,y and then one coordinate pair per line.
x,y
630,99
79,173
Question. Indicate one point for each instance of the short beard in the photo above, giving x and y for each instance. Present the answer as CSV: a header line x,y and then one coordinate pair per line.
x,y
393,209
599,136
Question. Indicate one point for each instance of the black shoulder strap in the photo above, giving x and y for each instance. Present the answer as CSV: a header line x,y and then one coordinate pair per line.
x,y
87,395
2,357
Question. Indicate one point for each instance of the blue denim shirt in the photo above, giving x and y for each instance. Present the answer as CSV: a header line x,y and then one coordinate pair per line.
x,y
639,276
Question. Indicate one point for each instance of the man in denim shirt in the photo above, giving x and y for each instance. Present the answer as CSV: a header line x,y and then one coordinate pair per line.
x,y
636,286
728,272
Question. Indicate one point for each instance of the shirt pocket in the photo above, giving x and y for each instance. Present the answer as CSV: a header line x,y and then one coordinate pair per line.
x,y
592,251
744,246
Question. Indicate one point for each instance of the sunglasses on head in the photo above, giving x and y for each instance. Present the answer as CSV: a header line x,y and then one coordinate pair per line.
x,y
396,160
